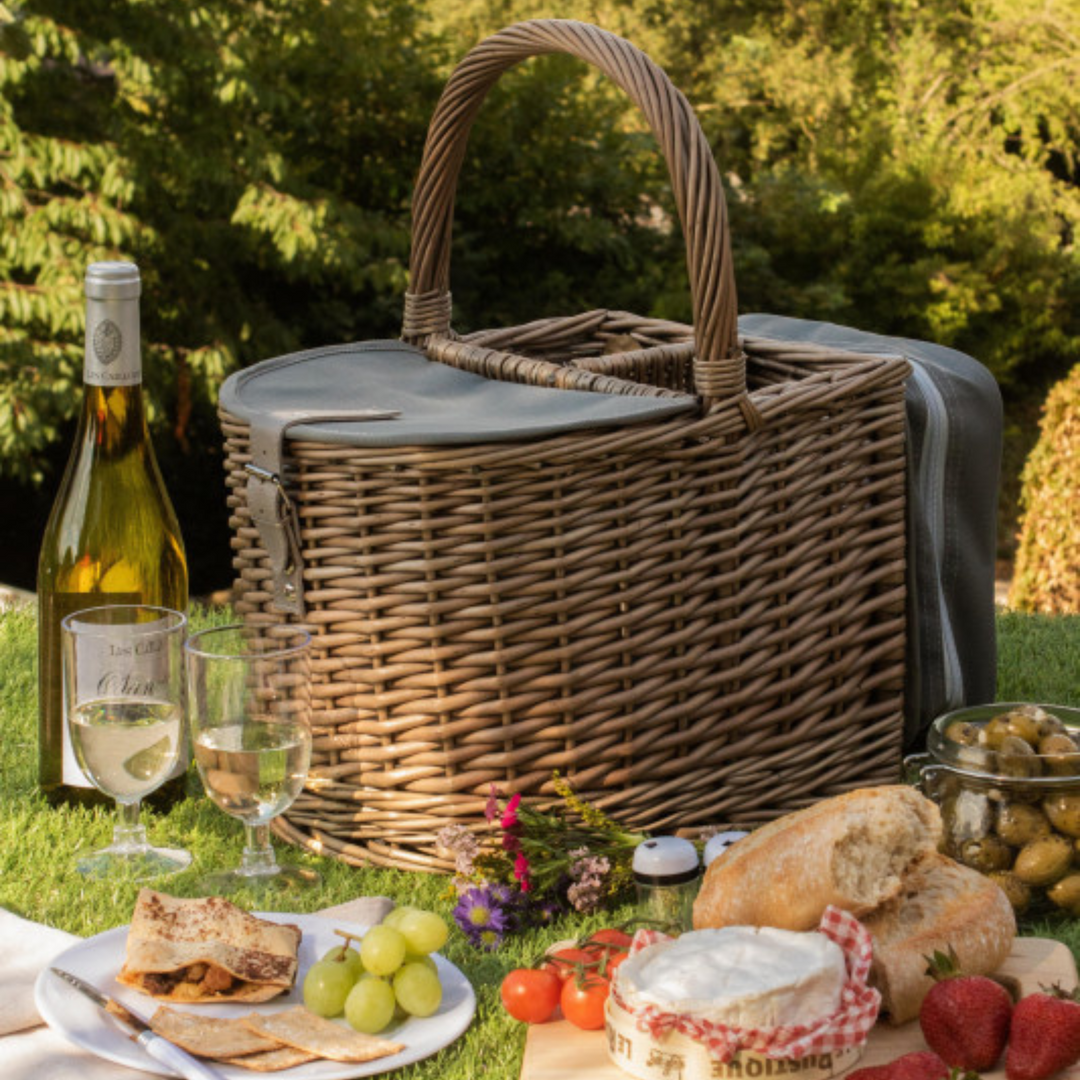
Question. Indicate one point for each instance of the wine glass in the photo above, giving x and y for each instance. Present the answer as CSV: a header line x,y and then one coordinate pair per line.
x,y
249,705
123,684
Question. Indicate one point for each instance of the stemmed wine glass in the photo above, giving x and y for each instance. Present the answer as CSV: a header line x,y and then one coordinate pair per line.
x,y
249,705
123,682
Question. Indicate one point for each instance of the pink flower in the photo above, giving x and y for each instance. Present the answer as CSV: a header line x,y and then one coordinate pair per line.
x,y
588,873
491,810
521,871
509,818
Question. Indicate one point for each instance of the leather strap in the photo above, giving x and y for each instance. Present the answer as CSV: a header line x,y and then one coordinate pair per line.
x,y
272,511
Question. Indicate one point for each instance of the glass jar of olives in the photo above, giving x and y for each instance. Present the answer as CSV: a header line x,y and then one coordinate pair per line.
x,y
1007,780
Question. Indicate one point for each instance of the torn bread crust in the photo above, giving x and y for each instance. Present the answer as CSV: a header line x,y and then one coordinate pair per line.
x,y
206,950
851,851
943,905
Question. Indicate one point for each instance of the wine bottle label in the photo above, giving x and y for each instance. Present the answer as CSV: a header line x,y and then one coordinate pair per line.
x,y
113,350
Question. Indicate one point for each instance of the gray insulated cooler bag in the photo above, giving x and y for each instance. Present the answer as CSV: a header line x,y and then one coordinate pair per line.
x,y
954,420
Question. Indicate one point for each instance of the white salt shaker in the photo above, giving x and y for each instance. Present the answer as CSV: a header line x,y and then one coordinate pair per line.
x,y
667,875
721,842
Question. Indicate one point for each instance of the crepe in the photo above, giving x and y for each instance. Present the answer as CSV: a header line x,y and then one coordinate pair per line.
x,y
206,950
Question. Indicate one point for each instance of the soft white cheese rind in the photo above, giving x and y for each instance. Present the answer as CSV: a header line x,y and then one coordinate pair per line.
x,y
740,976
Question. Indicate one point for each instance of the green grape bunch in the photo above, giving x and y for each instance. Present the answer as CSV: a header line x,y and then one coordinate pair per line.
x,y
386,975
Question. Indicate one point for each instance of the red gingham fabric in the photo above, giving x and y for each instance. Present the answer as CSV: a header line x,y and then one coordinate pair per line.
x,y
845,1028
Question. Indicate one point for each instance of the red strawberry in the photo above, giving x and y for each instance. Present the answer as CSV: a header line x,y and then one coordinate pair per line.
x,y
921,1065
964,1018
1044,1036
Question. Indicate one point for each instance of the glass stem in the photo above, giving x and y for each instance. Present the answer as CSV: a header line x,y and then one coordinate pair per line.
x,y
129,834
258,856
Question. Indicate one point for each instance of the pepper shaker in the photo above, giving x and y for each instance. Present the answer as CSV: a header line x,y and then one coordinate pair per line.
x,y
720,842
667,875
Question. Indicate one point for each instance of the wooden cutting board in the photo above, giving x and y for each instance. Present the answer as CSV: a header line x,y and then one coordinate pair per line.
x,y
560,1051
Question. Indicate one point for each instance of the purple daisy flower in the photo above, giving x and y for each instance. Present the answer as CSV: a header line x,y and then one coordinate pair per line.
x,y
547,912
502,894
480,917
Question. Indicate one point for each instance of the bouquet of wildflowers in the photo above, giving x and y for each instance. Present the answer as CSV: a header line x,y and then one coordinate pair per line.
x,y
538,865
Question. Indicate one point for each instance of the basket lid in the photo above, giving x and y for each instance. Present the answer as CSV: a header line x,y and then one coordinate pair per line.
x,y
437,404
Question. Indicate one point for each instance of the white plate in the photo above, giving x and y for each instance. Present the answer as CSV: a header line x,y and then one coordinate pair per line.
x,y
99,959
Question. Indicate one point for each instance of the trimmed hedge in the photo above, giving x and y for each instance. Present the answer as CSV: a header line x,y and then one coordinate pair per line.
x,y
1047,577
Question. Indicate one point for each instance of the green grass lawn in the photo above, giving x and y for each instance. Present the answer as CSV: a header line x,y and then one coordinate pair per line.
x,y
1038,662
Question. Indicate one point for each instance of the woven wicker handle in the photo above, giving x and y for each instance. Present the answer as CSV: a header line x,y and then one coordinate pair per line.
x,y
719,367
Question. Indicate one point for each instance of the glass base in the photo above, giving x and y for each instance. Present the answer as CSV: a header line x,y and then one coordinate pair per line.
x,y
278,881
126,863
259,874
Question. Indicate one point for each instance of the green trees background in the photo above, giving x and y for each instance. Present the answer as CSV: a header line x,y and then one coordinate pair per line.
x,y
906,167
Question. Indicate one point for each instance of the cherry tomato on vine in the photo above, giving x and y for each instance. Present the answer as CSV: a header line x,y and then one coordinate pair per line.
x,y
567,962
583,1001
530,995
610,963
620,939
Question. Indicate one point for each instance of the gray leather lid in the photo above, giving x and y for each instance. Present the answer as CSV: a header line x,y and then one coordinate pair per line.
x,y
438,404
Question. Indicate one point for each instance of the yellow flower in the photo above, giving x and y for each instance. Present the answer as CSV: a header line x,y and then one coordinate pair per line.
x,y
588,813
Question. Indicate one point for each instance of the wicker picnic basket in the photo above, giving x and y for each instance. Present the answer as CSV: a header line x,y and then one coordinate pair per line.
x,y
696,619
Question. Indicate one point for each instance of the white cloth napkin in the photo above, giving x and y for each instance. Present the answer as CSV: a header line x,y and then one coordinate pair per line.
x,y
41,1054
30,1051
366,911
26,947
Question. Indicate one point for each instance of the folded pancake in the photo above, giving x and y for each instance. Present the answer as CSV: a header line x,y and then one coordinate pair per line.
x,y
206,950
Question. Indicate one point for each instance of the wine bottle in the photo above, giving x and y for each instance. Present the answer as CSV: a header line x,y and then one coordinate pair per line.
x,y
112,536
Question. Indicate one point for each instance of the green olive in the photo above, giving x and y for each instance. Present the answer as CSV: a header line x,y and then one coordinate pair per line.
x,y
1060,754
1017,758
1049,724
962,732
1020,823
1024,724
986,854
1063,810
995,731
1018,893
1066,893
942,785
1042,862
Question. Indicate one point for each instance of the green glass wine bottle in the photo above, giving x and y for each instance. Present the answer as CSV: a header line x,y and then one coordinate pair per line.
x,y
112,537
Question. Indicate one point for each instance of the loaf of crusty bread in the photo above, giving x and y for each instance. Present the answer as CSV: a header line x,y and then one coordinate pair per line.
x,y
942,904
851,851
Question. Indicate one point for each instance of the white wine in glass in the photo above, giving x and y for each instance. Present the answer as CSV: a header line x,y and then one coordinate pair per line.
x,y
127,748
249,705
254,771
123,678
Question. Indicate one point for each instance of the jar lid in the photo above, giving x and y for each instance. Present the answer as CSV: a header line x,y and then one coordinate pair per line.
x,y
112,281
721,842
665,860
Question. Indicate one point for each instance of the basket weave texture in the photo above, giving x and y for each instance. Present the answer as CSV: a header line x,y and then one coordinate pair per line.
x,y
696,621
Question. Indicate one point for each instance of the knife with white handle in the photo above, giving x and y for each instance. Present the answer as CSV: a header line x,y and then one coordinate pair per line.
x,y
155,1045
